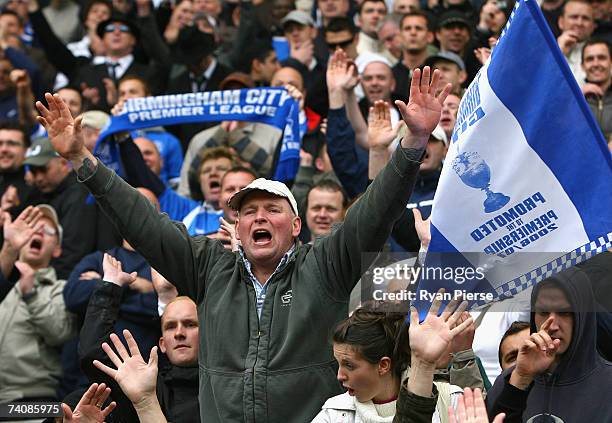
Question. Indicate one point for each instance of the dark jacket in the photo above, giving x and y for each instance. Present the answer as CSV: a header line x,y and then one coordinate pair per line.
x,y
78,220
602,110
350,161
412,408
580,387
177,388
258,369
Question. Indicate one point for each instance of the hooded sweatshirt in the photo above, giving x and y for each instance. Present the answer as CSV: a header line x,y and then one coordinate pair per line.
x,y
580,387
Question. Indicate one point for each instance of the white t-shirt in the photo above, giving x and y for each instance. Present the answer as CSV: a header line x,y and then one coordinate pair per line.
x,y
494,324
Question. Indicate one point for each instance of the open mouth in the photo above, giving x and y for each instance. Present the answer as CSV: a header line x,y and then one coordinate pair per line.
x,y
36,245
214,185
445,122
350,391
262,236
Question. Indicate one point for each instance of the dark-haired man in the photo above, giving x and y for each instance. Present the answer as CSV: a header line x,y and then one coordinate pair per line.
x,y
559,374
597,65
14,141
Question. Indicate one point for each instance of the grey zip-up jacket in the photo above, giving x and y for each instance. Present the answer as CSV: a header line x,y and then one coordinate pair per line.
x,y
280,367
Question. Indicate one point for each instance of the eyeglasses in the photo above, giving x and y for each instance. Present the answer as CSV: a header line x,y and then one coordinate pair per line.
x,y
10,143
120,27
49,230
342,44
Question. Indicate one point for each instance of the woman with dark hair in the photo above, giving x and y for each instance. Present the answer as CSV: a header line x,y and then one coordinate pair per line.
x,y
374,349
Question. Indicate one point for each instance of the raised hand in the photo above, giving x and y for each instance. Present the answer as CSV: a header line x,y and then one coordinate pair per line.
x,y
136,378
230,230
114,273
64,131
422,113
89,409
26,280
466,340
423,228
535,356
20,78
302,52
10,198
592,89
166,292
567,40
341,72
20,232
471,409
380,132
112,94
296,95
430,339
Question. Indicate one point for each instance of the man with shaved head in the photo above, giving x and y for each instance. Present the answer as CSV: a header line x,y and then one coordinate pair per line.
x,y
257,305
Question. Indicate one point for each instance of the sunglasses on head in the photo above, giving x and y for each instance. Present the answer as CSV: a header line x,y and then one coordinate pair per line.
x,y
120,27
342,44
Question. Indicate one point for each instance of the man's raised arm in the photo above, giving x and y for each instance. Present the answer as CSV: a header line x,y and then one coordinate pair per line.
x,y
164,244
370,220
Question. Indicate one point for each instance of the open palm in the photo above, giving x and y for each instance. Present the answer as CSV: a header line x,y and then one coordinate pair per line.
x,y
19,232
89,409
430,339
422,113
380,132
136,378
64,131
341,73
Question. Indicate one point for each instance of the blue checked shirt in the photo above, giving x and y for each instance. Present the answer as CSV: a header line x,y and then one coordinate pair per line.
x,y
260,290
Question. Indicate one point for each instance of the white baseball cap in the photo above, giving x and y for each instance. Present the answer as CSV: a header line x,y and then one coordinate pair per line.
x,y
261,184
439,134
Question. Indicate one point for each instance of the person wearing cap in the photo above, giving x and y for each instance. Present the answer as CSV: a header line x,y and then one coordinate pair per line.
x,y
54,178
378,83
452,69
119,36
33,316
453,32
301,33
92,123
265,310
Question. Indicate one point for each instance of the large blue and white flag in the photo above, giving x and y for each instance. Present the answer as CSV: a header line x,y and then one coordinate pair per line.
x,y
272,106
526,189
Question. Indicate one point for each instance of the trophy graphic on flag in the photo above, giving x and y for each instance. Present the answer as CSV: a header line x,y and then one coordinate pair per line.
x,y
475,173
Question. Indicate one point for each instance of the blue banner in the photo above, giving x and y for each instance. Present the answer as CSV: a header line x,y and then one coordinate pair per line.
x,y
525,190
272,106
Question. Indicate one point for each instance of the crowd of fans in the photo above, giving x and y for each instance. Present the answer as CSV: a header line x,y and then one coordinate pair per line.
x,y
232,291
